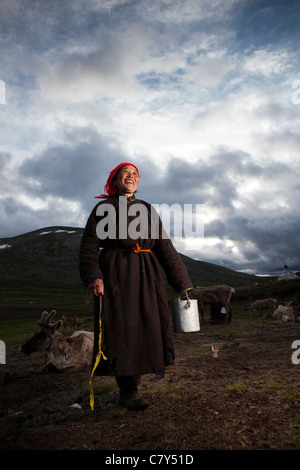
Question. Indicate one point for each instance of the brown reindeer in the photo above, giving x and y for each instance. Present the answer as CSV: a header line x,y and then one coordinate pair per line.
x,y
264,304
212,295
64,353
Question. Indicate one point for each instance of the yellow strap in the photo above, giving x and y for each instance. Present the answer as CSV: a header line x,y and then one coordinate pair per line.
x,y
98,357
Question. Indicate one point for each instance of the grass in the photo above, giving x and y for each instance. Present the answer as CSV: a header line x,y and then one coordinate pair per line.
x,y
274,382
293,394
166,429
166,390
236,387
105,387
21,311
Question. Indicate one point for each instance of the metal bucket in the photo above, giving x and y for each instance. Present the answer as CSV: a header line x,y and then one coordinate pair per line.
x,y
185,315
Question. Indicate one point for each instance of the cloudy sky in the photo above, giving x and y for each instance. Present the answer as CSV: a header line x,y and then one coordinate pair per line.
x,y
202,95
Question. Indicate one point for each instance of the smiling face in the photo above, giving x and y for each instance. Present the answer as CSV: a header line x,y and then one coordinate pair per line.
x,y
127,180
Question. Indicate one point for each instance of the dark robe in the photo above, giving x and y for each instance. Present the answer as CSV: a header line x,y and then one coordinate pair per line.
x,y
137,335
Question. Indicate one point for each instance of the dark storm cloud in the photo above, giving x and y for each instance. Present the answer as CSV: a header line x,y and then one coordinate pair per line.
x,y
265,237
74,170
210,180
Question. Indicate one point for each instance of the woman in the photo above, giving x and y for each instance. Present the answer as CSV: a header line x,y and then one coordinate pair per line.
x,y
136,337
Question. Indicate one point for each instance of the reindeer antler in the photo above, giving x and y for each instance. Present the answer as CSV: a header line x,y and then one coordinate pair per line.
x,y
46,317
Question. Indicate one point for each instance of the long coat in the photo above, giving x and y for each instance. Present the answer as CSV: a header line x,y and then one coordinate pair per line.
x,y
137,335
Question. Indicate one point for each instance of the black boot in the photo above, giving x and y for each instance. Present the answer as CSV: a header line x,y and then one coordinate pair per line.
x,y
129,397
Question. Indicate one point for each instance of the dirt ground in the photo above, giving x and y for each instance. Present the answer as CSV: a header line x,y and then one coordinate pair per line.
x,y
247,398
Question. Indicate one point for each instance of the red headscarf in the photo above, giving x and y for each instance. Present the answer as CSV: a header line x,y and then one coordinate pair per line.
x,y
110,189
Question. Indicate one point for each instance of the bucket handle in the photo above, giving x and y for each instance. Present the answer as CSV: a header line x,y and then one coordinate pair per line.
x,y
188,299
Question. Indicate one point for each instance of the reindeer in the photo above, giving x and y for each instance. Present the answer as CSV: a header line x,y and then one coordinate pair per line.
x,y
264,304
64,353
212,295
285,313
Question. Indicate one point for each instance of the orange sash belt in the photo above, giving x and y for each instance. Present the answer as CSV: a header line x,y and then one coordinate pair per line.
x,y
135,249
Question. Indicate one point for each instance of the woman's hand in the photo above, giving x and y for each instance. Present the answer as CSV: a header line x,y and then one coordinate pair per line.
x,y
96,287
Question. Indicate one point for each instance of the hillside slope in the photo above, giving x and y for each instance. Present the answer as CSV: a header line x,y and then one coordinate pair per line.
x,y
51,255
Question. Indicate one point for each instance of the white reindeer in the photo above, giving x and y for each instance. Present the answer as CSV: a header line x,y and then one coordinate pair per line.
x,y
64,353
285,313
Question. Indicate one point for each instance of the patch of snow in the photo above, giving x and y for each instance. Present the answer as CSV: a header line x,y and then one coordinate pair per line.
x,y
57,231
66,231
